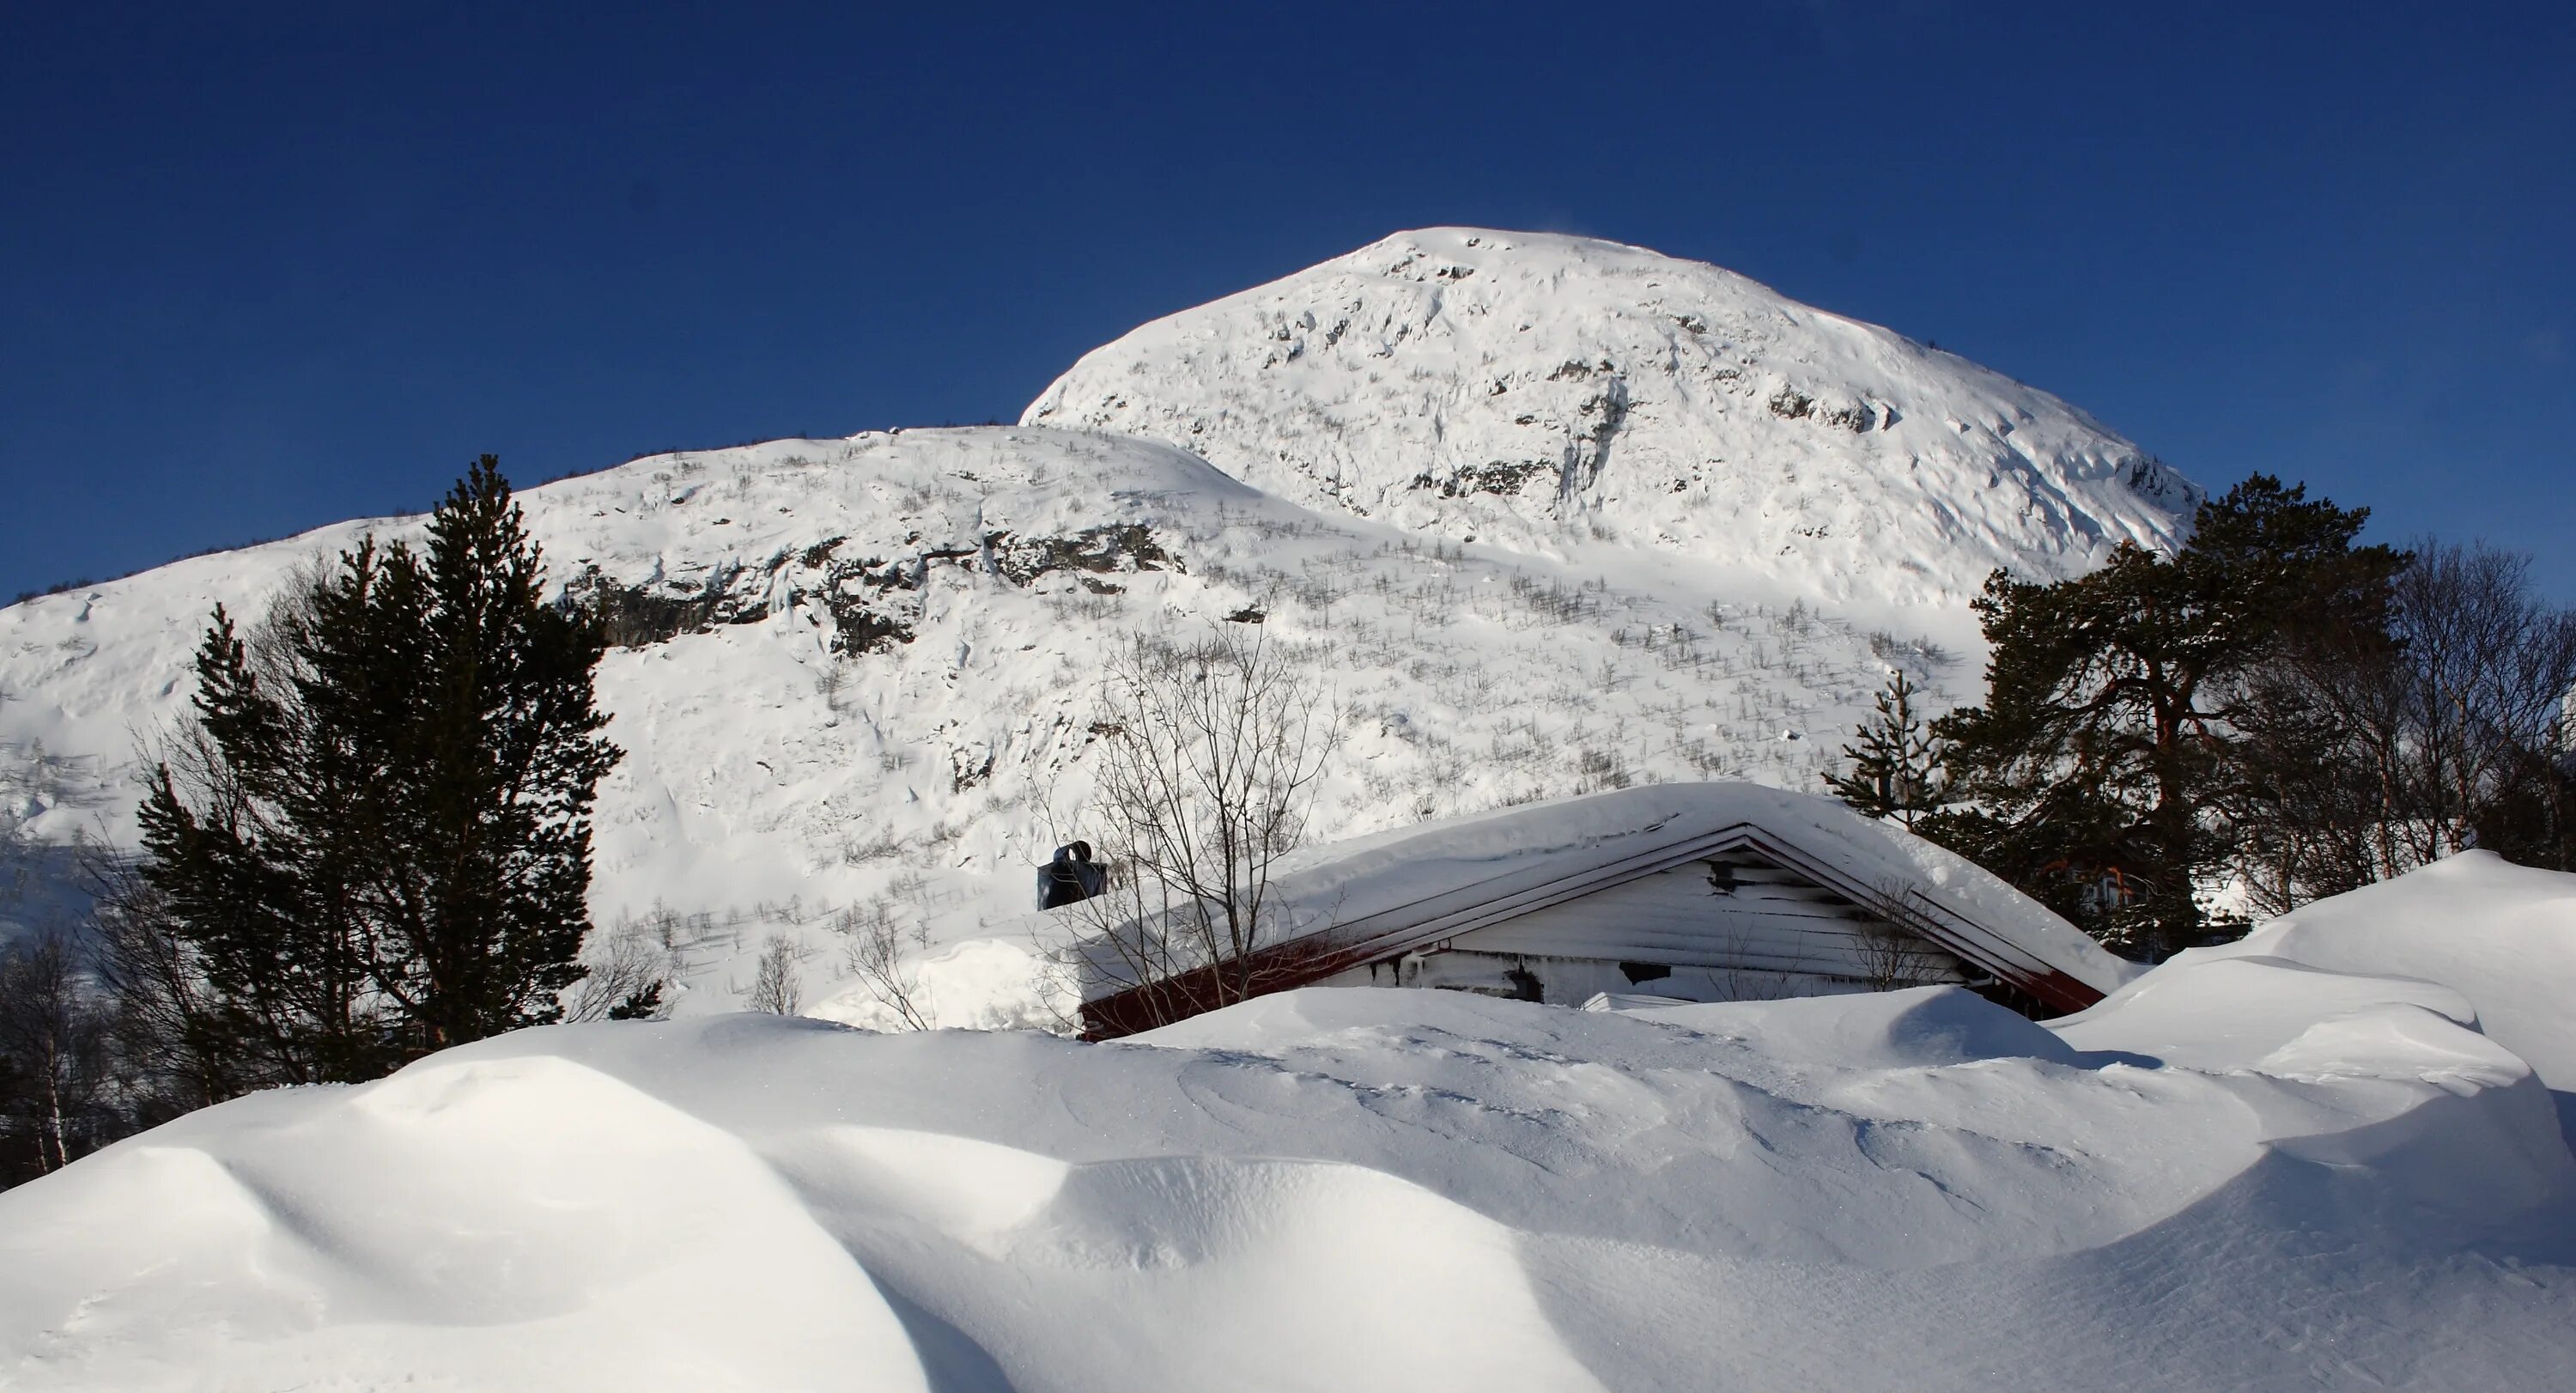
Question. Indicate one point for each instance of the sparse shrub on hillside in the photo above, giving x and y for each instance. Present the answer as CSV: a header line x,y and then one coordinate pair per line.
x,y
1597,770
1888,648
629,967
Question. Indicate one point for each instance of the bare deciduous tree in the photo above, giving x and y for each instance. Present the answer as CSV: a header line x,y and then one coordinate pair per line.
x,y
2389,751
777,986
53,1051
1204,774
2486,671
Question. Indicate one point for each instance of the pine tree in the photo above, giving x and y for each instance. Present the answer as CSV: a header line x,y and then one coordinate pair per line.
x,y
374,839
2111,748
1896,764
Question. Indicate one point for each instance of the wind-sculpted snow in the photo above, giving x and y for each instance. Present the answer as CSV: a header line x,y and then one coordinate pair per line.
x,y
2474,938
1355,1189
1548,393
857,673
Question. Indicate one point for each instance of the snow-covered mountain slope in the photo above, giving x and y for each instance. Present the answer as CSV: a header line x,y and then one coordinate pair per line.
x,y
863,668
858,674
1546,392
1365,1189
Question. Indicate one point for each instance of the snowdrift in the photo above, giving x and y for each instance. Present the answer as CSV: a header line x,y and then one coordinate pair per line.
x,y
2475,938
1363,1189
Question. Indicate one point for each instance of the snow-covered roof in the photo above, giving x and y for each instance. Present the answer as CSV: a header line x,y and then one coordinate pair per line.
x,y
1369,898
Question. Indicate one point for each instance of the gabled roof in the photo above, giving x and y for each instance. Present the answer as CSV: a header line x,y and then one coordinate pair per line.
x,y
1376,897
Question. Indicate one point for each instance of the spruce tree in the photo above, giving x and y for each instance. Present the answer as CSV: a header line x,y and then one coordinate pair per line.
x,y
246,865
374,838
1896,762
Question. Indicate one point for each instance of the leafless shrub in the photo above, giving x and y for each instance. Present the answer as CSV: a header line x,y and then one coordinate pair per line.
x,y
629,966
1738,979
1892,949
866,849
1599,769
884,955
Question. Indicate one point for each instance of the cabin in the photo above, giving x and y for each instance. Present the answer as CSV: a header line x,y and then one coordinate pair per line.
x,y
1686,892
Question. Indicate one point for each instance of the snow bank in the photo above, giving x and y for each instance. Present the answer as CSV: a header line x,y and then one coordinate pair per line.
x,y
1371,1189
2474,939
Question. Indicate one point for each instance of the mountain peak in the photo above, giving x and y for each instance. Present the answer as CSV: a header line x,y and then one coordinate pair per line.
x,y
1547,392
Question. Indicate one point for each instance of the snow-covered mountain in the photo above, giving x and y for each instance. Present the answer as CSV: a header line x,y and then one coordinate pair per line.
x,y
857,675
1542,392
861,671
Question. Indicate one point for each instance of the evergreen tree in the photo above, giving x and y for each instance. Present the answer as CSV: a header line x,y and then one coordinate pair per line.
x,y
1896,764
374,839
244,879
2111,748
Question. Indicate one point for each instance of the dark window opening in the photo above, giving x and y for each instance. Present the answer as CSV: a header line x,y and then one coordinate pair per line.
x,y
1645,972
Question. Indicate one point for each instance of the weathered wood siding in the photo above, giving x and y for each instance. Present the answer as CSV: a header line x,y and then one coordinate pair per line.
x,y
1737,912
1573,981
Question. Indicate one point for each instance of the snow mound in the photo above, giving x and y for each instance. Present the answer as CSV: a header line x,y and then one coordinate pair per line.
x,y
1922,1027
2473,938
1352,1189
497,1222
1543,392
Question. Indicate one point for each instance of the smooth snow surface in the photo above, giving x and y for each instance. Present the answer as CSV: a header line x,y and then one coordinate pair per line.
x,y
1378,1189
1548,392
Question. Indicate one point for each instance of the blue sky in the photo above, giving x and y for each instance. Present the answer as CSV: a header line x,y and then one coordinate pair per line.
x,y
267,266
